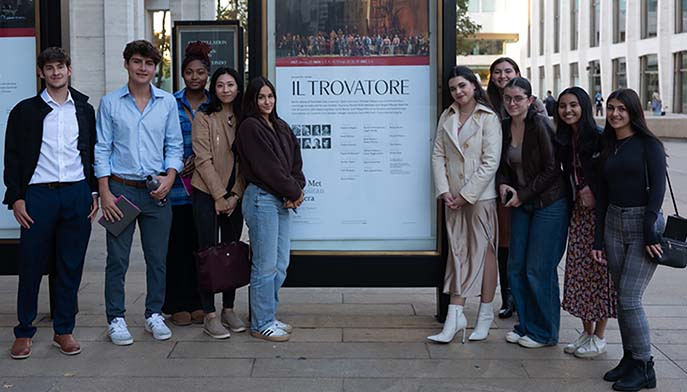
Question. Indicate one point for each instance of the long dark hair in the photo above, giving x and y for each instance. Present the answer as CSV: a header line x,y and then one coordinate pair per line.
x,y
633,105
586,126
250,99
496,95
215,105
469,75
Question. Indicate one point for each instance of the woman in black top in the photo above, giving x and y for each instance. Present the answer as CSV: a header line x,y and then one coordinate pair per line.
x,y
630,198
588,293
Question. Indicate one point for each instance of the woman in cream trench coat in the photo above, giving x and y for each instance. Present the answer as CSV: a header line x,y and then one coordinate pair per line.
x,y
465,158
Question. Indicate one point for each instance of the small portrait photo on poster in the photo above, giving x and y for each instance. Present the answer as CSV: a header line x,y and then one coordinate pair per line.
x,y
306,143
296,130
326,143
305,130
316,130
326,130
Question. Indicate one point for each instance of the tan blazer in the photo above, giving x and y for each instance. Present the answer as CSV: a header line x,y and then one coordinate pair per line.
x,y
212,139
465,163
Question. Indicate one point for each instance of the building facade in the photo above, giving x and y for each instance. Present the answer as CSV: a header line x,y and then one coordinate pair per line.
x,y
96,31
602,45
503,22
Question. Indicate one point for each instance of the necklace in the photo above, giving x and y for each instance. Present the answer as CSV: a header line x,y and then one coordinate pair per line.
x,y
618,147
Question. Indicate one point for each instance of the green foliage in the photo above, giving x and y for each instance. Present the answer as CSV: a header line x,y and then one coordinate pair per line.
x,y
465,27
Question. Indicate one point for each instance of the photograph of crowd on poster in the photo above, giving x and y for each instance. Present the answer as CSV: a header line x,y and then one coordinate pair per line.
x,y
353,79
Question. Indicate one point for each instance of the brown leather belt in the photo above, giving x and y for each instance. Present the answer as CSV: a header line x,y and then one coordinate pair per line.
x,y
55,185
133,183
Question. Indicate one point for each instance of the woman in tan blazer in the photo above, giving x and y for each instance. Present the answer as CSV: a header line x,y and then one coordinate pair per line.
x,y
465,158
218,186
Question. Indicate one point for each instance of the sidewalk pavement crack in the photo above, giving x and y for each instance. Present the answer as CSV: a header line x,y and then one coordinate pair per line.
x,y
169,354
669,358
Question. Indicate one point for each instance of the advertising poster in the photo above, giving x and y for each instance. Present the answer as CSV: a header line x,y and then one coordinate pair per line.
x,y
354,81
17,79
224,39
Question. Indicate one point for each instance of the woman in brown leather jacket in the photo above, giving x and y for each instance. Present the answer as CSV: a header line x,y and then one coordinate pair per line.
x,y
531,184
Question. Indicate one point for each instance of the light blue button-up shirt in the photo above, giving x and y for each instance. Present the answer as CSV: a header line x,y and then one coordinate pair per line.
x,y
133,145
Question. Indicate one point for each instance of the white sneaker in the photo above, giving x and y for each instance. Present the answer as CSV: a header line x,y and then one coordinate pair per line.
x,y
579,342
271,333
512,337
528,342
283,326
155,324
119,333
594,347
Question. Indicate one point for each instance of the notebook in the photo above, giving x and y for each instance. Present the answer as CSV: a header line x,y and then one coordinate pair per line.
x,y
130,212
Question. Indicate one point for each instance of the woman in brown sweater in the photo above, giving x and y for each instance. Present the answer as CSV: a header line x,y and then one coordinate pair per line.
x,y
271,163
218,186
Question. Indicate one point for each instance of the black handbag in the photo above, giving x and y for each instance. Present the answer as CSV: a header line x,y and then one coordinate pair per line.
x,y
224,266
673,235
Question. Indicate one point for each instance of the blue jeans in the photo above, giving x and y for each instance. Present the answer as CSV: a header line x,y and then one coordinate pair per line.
x,y
268,229
155,223
537,243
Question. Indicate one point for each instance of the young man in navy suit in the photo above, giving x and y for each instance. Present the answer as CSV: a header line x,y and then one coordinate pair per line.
x,y
53,194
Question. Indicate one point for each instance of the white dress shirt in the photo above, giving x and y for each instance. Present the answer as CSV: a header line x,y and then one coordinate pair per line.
x,y
59,159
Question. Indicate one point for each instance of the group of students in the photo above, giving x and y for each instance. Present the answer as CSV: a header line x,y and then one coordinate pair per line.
x,y
221,156
517,187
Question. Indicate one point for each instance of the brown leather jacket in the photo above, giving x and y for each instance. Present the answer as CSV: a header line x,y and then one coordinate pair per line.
x,y
541,165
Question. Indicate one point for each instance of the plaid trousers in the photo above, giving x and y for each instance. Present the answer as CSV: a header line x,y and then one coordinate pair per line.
x,y
631,270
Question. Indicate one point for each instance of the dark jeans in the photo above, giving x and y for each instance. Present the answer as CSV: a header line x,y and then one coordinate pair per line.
x,y
60,227
154,223
207,225
537,243
182,284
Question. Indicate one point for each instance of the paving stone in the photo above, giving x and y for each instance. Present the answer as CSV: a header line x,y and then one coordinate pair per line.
x,y
316,335
208,384
45,334
383,310
26,384
257,349
388,334
676,352
82,366
590,369
471,385
387,368
360,321
403,298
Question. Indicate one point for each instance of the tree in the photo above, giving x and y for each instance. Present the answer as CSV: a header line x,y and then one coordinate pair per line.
x,y
465,27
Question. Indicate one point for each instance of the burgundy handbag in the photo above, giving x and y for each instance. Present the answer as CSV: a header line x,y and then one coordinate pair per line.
x,y
223,266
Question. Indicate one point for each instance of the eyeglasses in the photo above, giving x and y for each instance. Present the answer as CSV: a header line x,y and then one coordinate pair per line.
x,y
518,99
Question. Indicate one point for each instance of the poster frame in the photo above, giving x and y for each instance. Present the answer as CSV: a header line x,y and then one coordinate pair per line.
x,y
267,60
181,26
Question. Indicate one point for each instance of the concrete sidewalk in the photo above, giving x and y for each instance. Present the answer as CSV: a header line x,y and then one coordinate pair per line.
x,y
344,340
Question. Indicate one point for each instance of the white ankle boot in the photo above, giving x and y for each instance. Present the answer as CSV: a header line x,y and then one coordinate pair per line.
x,y
455,321
484,319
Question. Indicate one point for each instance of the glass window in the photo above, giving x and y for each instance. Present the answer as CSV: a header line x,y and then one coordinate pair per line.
x,y
649,84
649,18
471,46
595,22
680,95
619,73
574,20
542,81
681,16
488,5
473,6
542,30
529,73
574,74
619,17
162,29
556,25
556,80
594,77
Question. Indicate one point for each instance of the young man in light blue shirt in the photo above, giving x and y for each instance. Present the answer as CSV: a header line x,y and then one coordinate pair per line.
x,y
138,136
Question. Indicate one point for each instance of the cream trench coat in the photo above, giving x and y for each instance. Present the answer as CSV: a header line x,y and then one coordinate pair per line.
x,y
465,163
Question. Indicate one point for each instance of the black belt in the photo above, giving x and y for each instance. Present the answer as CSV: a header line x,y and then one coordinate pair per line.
x,y
55,185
